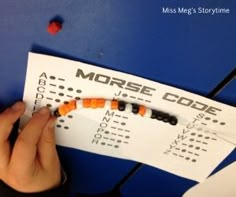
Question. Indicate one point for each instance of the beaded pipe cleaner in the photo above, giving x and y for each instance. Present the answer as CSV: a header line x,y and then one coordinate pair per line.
x,y
115,105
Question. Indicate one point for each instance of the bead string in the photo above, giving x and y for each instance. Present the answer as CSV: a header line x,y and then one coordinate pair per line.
x,y
115,105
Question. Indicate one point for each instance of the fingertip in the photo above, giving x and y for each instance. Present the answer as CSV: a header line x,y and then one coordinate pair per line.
x,y
44,111
11,114
18,106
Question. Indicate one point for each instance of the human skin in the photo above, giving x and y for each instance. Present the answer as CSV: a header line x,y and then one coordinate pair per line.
x,y
32,164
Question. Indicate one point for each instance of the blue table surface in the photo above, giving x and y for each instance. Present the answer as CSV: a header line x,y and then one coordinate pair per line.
x,y
190,52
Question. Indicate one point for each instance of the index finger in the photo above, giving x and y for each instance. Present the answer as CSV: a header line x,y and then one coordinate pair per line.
x,y
8,118
25,148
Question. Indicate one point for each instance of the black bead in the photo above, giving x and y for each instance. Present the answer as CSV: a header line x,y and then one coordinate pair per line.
x,y
121,105
173,120
160,115
154,114
135,108
166,117
56,113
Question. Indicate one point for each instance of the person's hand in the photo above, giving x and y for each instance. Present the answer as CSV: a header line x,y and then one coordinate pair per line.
x,y
32,165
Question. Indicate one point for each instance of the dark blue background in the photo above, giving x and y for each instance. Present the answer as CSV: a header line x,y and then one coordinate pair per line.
x,y
190,52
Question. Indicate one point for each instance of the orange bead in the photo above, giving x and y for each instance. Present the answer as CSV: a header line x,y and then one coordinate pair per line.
x,y
142,110
72,105
66,108
86,103
93,103
63,110
114,104
100,103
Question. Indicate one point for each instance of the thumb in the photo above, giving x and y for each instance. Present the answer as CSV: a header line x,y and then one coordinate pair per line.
x,y
47,145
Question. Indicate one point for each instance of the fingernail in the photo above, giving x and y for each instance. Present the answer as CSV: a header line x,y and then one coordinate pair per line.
x,y
17,106
43,111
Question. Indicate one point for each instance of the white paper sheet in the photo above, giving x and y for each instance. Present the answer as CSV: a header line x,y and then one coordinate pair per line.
x,y
191,149
221,184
